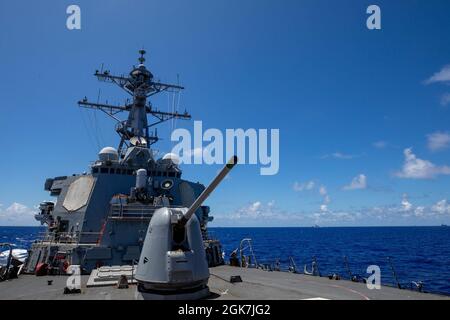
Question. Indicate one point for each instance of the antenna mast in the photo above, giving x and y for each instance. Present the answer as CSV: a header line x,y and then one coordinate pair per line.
x,y
140,85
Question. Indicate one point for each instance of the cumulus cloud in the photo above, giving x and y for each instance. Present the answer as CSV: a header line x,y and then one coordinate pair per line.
x,y
256,211
311,185
299,187
415,168
438,141
358,182
442,75
441,207
17,214
405,204
419,211
259,213
408,209
326,199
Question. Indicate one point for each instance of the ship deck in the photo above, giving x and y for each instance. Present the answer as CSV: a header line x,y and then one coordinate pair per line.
x,y
256,285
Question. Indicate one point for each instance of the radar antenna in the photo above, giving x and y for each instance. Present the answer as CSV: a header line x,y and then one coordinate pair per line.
x,y
140,85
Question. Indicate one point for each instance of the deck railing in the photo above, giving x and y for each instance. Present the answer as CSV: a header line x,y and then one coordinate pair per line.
x,y
120,211
69,237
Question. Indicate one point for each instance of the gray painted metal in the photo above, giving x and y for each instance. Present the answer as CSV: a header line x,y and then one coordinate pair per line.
x,y
100,217
256,284
173,258
78,193
170,265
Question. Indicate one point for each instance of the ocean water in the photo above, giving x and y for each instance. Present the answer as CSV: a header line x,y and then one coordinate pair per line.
x,y
417,253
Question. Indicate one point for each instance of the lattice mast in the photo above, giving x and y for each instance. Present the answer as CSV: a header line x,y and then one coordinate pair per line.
x,y
140,85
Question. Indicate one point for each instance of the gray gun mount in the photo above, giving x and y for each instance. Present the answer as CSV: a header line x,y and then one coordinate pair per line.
x,y
173,262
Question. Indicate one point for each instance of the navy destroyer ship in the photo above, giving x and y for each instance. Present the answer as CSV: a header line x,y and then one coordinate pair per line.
x,y
132,228
100,217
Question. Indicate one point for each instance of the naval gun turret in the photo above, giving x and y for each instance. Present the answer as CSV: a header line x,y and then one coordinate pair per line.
x,y
173,263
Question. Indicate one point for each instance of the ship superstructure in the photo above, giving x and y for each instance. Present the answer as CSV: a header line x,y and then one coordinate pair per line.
x,y
100,217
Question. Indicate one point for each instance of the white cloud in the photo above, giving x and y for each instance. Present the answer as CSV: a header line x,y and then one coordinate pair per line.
x,y
340,155
380,144
404,213
255,206
441,207
407,209
299,187
441,76
405,204
358,182
310,185
326,199
419,211
438,141
415,168
445,99
255,212
17,215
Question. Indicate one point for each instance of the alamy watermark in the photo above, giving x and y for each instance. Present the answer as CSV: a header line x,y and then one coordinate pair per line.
x,y
74,280
373,22
73,21
374,280
251,146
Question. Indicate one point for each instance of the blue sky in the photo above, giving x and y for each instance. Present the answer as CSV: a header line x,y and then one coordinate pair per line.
x,y
350,103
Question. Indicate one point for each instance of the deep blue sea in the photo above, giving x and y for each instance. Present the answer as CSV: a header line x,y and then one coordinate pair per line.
x,y
417,253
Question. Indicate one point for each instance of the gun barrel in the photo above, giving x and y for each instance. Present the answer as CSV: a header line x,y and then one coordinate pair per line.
x,y
210,188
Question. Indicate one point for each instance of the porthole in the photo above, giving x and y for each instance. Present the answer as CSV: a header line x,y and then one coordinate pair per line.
x,y
167,184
